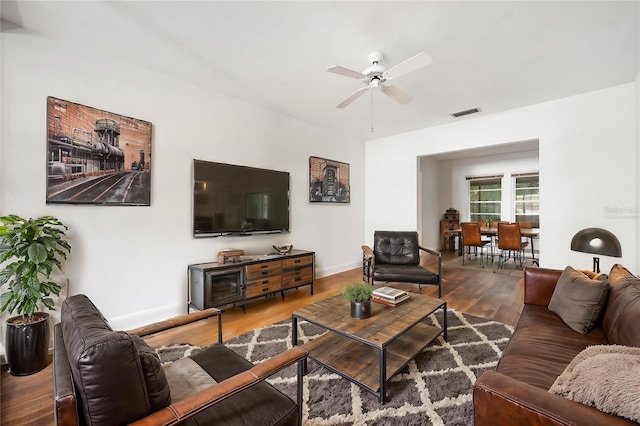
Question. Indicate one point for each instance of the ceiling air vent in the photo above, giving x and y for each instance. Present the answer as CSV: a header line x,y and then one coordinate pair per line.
x,y
465,112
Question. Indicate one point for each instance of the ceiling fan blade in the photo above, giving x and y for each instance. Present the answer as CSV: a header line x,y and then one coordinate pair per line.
x,y
355,95
337,69
396,94
418,61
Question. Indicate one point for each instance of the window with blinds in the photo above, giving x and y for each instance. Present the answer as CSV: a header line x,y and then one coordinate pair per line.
x,y
527,198
485,198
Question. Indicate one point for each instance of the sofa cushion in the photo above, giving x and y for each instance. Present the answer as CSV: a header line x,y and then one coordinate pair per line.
x,y
578,299
623,308
542,346
105,366
259,404
154,376
604,377
414,274
186,377
396,247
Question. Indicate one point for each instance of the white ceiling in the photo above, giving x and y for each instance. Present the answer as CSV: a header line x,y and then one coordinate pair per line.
x,y
494,55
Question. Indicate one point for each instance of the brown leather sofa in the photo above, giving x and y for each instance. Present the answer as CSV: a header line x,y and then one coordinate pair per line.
x,y
541,348
106,377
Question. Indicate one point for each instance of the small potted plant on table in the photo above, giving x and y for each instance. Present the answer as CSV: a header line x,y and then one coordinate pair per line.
x,y
359,294
33,247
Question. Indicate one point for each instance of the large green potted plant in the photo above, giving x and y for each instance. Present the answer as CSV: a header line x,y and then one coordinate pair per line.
x,y
359,294
30,249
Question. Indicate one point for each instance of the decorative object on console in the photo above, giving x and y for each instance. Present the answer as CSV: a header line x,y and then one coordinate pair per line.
x,y
328,181
84,146
284,248
596,241
229,256
359,294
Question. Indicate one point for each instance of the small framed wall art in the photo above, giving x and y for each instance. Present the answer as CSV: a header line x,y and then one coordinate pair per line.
x,y
96,157
328,181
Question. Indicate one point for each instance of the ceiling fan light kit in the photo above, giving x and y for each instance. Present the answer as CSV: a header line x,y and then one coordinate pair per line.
x,y
377,76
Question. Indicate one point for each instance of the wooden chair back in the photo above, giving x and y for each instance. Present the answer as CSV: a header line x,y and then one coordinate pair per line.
x,y
509,236
471,234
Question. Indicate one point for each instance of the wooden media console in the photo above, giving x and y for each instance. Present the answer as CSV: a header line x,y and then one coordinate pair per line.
x,y
222,285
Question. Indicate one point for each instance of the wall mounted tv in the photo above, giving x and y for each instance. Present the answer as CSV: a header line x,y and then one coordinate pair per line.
x,y
238,200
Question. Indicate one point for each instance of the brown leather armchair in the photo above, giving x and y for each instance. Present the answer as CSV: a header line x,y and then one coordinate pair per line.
x,y
396,258
106,377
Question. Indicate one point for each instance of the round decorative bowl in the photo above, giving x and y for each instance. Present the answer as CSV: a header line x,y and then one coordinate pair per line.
x,y
284,249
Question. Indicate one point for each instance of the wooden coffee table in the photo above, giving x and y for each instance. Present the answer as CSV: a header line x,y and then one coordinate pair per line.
x,y
369,352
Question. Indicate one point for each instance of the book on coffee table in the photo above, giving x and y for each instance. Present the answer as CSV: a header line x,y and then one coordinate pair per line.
x,y
390,293
389,302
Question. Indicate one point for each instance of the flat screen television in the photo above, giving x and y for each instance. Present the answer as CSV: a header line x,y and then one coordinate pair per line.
x,y
238,200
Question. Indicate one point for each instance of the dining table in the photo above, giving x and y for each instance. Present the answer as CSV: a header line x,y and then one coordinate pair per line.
x,y
529,233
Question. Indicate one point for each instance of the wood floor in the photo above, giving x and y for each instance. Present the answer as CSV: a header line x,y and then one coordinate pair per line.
x,y
29,400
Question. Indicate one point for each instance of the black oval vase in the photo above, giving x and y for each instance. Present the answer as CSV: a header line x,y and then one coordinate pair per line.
x,y
27,345
361,310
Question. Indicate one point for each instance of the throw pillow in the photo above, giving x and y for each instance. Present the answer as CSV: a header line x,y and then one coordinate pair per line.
x,y
578,300
154,376
604,377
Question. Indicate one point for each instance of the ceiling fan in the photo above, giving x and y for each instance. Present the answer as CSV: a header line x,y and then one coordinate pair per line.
x,y
377,76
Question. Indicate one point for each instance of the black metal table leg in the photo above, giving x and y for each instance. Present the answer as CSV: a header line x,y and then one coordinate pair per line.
x,y
446,339
301,370
533,254
383,375
294,340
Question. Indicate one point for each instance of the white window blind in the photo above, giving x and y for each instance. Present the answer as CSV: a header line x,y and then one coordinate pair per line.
x,y
527,198
485,197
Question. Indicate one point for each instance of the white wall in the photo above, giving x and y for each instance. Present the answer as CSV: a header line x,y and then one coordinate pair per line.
x,y
132,261
636,210
430,189
588,169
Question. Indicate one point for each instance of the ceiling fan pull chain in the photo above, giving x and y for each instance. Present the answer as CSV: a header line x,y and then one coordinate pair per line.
x,y
371,110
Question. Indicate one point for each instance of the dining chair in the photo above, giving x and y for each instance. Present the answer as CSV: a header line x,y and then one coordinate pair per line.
x,y
494,238
471,237
510,241
525,225
488,238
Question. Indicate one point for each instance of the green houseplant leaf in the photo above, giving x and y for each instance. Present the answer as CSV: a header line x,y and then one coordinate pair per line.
x,y
358,292
32,249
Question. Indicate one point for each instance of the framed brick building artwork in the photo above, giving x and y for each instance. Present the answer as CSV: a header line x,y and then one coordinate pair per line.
x,y
328,181
96,157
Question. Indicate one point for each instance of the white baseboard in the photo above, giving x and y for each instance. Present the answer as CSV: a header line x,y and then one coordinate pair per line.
x,y
325,272
140,318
